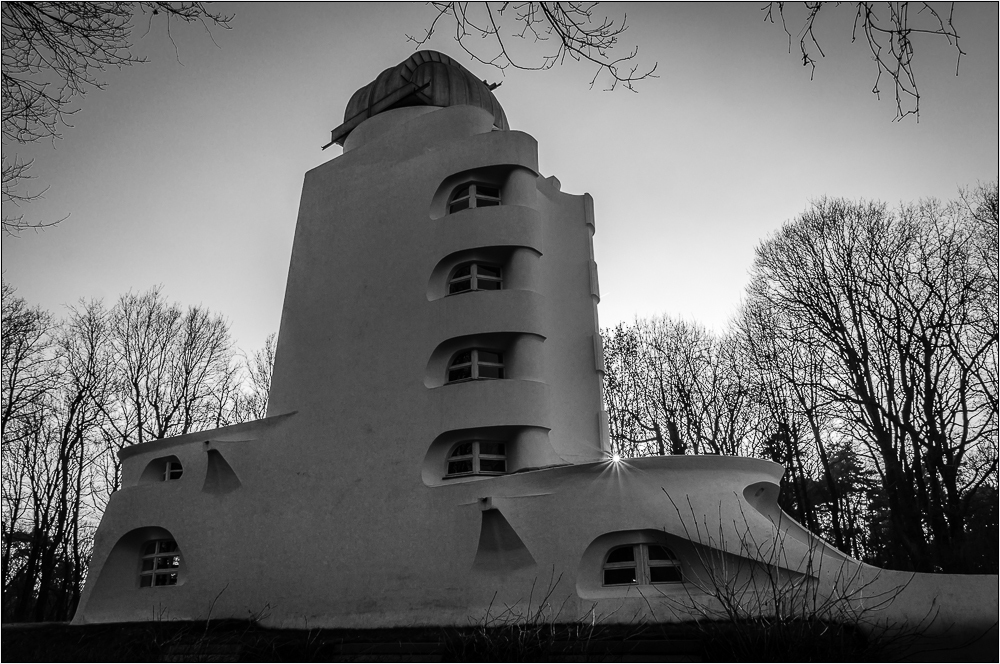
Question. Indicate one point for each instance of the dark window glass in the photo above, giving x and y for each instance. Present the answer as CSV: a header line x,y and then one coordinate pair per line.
x,y
660,553
488,356
460,374
463,272
485,202
176,472
490,372
459,205
145,581
465,357
458,467
487,271
486,284
461,192
624,554
465,449
460,286
149,548
492,448
147,565
492,466
614,577
166,579
483,190
665,574
167,546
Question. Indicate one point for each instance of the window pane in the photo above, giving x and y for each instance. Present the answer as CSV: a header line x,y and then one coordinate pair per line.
x,y
167,546
614,577
460,286
458,467
176,472
485,190
623,554
459,374
465,449
487,284
149,548
487,271
147,565
665,574
459,205
145,581
489,356
492,466
461,192
163,580
657,552
463,272
490,372
486,202
499,449
464,357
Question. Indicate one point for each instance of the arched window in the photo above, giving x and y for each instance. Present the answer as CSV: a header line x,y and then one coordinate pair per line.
x,y
475,364
160,563
162,469
475,276
473,195
478,457
641,564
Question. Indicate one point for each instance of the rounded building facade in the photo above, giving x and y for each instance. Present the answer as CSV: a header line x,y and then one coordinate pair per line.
x,y
435,441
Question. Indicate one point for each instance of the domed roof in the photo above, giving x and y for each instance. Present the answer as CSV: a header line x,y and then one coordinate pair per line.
x,y
426,78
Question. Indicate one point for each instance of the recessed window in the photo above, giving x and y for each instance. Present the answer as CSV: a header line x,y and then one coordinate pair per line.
x,y
478,457
475,364
472,196
172,470
161,561
641,564
475,277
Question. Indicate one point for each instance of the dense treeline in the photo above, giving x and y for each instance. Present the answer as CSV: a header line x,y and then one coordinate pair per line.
x,y
78,390
864,359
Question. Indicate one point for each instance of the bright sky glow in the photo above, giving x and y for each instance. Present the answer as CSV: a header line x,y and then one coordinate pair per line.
x,y
188,173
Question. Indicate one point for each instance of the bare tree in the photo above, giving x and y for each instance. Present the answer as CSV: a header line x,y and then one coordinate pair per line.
x,y
251,402
892,300
674,387
52,53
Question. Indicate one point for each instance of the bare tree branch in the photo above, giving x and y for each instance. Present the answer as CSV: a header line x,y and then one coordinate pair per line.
x,y
574,32
888,30
52,54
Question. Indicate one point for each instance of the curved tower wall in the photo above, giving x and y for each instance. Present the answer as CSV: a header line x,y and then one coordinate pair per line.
x,y
367,329
335,510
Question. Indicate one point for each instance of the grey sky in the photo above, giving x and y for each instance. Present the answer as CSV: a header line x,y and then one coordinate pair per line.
x,y
187,172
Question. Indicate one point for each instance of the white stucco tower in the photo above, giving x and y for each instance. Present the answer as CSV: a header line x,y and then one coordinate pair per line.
x,y
435,441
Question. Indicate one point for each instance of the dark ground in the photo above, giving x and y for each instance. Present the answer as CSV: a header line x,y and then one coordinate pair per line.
x,y
245,641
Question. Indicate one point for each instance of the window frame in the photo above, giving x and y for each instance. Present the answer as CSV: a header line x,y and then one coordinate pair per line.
x,y
474,277
473,197
474,363
475,456
170,571
172,470
642,563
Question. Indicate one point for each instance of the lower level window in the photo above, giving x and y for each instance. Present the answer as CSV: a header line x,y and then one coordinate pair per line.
x,y
478,457
641,564
161,561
